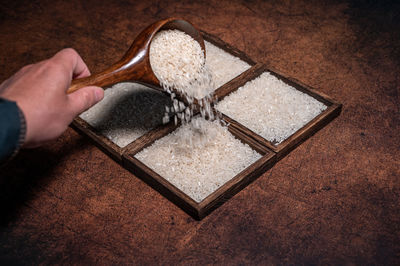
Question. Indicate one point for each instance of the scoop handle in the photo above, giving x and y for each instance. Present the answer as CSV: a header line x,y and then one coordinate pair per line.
x,y
101,79
121,71
133,66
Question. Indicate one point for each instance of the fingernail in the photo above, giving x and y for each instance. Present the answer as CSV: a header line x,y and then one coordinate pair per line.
x,y
99,94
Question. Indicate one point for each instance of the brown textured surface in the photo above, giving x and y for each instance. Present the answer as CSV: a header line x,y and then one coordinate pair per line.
x,y
334,199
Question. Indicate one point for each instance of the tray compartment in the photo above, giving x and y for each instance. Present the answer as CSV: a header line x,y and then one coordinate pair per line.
x,y
332,110
199,210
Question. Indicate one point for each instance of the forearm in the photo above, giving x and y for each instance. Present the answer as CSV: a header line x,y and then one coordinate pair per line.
x,y
12,129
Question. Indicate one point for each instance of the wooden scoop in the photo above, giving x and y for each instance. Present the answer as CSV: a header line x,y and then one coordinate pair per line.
x,y
135,64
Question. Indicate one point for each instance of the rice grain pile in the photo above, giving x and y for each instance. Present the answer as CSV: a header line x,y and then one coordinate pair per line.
x,y
128,111
178,62
270,107
223,65
200,168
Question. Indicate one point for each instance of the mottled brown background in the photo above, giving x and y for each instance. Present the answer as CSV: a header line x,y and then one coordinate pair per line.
x,y
334,199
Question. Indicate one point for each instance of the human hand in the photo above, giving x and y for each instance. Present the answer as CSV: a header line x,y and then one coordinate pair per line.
x,y
40,92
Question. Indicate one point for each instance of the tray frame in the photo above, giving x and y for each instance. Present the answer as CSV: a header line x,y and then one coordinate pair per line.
x,y
271,153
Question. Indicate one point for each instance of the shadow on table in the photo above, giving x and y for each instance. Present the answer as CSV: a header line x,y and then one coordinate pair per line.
x,y
21,178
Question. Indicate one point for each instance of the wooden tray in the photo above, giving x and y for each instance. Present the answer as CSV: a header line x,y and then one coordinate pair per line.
x,y
270,152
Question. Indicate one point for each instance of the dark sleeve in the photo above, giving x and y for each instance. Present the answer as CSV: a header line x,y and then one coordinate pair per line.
x,y
12,129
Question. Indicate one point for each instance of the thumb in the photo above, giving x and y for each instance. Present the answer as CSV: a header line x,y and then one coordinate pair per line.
x,y
84,98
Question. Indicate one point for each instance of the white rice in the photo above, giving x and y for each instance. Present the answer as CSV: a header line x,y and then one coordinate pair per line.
x,y
199,168
270,107
178,62
223,65
128,111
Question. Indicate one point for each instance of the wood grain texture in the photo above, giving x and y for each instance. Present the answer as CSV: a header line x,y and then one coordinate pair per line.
x,y
333,200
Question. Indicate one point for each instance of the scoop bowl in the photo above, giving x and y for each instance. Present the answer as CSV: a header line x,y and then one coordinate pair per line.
x,y
135,64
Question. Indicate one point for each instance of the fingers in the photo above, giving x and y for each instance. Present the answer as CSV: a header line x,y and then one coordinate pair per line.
x,y
73,62
83,99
